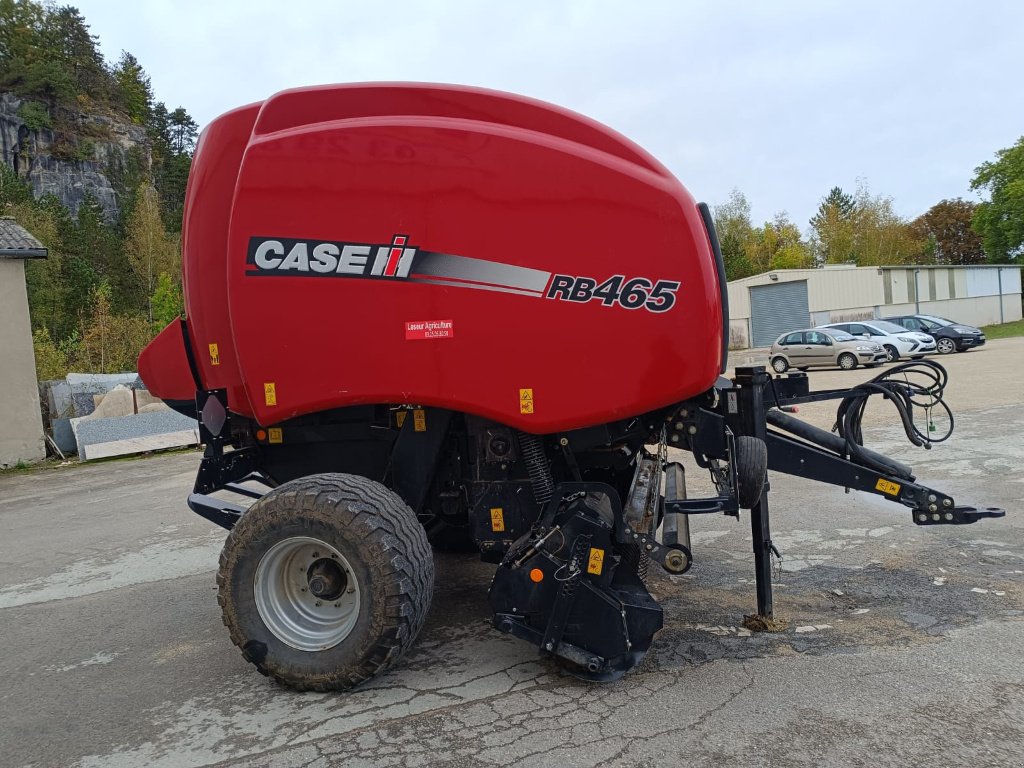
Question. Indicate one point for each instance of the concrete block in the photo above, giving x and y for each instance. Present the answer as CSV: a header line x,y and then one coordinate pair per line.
x,y
120,401
122,435
143,398
63,435
101,382
58,398
82,403
85,385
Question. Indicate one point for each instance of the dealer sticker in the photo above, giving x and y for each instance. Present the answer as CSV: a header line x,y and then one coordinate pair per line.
x,y
429,329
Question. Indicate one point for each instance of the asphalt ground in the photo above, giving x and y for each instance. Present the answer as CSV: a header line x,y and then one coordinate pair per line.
x,y
902,645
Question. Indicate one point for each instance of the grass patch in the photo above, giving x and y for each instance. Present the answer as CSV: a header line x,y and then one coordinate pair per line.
x,y
1005,330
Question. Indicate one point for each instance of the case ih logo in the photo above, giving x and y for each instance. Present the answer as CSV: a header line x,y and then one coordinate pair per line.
x,y
398,260
284,255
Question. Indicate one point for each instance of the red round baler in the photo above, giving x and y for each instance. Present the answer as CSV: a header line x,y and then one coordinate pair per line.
x,y
425,315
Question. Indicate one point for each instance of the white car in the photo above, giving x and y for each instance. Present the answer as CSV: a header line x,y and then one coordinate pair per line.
x,y
897,340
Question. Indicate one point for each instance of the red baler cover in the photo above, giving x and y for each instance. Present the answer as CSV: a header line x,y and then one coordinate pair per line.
x,y
442,246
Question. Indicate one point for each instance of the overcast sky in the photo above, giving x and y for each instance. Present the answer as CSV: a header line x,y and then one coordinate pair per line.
x,y
781,100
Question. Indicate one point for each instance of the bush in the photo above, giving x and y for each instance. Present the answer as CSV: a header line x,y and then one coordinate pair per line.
x,y
111,343
35,115
51,363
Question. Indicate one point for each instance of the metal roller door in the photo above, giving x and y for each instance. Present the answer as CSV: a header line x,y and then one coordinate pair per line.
x,y
776,309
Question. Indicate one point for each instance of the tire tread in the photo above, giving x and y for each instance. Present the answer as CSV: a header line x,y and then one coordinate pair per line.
x,y
375,514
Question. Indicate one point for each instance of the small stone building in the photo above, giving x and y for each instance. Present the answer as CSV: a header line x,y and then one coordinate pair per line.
x,y
21,422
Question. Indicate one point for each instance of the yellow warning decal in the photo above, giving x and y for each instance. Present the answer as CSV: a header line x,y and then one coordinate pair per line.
x,y
888,487
214,355
400,417
419,420
270,392
526,401
595,563
275,435
497,519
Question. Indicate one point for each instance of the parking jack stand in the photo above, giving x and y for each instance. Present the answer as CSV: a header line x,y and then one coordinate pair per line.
x,y
750,382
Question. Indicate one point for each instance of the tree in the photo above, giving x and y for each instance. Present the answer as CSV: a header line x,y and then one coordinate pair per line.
x,y
110,342
166,301
834,227
946,228
67,35
158,126
173,136
881,237
30,60
863,229
1000,219
13,191
149,251
182,131
778,245
134,92
732,223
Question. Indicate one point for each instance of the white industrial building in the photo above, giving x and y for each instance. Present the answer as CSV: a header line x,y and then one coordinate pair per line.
x,y
762,307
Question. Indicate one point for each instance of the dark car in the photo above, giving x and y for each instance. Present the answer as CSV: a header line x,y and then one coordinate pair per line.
x,y
949,336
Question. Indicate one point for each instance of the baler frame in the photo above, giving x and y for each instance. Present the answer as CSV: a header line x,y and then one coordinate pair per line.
x,y
710,427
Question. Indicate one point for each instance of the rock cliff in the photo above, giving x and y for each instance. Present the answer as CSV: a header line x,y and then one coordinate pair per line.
x,y
106,147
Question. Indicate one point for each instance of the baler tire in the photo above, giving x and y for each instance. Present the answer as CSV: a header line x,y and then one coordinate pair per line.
x,y
751,461
375,533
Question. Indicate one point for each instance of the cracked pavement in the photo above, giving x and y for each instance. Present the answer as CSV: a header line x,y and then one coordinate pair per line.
x,y
902,646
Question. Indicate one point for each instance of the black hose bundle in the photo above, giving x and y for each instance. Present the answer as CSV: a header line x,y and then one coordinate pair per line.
x,y
922,385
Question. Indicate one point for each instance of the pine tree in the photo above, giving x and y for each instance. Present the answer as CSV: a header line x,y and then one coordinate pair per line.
x,y
833,227
134,91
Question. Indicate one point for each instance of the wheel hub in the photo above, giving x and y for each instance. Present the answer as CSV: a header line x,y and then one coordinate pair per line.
x,y
326,579
306,593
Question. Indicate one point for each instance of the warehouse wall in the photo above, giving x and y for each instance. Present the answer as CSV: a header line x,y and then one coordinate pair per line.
x,y
21,423
845,293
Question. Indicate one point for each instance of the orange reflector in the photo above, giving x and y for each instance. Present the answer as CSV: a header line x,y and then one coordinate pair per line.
x,y
536,575
261,434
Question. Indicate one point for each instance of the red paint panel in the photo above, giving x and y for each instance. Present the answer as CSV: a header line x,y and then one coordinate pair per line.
x,y
204,234
497,196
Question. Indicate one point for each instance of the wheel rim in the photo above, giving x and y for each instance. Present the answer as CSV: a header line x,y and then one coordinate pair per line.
x,y
891,354
306,593
945,346
779,365
846,362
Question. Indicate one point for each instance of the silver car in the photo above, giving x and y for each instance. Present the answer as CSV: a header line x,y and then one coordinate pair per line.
x,y
897,340
816,347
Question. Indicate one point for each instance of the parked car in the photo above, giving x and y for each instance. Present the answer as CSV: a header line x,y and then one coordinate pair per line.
x,y
949,336
895,339
816,347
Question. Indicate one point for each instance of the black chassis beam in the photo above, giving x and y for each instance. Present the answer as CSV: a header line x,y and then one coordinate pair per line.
x,y
931,507
708,426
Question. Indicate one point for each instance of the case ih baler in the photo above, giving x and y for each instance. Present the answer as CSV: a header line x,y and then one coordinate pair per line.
x,y
422,314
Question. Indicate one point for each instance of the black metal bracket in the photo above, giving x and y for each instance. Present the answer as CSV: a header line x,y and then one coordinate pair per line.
x,y
566,593
416,453
218,470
